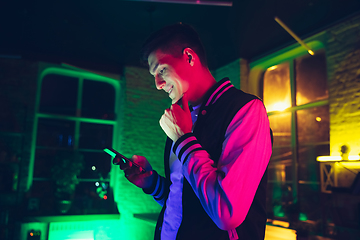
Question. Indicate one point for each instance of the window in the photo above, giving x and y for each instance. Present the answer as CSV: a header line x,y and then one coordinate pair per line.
x,y
295,94
75,121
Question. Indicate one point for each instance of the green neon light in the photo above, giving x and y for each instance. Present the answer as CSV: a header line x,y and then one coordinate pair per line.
x,y
77,74
79,119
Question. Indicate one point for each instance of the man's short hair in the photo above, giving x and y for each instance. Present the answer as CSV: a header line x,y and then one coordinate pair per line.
x,y
173,39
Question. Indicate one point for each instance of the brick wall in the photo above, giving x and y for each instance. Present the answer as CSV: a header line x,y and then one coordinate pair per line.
x,y
343,62
231,70
141,134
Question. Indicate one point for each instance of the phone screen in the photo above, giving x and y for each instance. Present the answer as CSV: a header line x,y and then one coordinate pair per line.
x,y
117,157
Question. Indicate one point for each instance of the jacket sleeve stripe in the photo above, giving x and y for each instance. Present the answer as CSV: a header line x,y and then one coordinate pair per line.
x,y
154,185
160,188
186,145
157,188
189,150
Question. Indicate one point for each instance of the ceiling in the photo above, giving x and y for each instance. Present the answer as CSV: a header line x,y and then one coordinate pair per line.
x,y
107,35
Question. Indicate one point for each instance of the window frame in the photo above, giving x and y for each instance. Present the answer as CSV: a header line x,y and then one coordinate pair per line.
x,y
254,85
81,76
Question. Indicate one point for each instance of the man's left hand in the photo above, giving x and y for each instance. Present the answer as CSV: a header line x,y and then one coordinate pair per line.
x,y
176,121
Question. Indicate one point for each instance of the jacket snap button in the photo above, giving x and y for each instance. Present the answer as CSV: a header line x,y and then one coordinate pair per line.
x,y
203,112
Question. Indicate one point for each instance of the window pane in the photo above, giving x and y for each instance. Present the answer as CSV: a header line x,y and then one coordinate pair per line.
x,y
281,127
98,100
313,141
280,167
58,95
277,95
86,200
279,186
313,125
90,199
55,133
310,201
102,163
308,167
44,160
311,80
95,136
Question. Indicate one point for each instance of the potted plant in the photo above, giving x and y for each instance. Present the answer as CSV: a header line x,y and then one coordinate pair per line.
x,y
65,171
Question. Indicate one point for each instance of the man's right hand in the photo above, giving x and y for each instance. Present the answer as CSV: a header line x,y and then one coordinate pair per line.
x,y
134,175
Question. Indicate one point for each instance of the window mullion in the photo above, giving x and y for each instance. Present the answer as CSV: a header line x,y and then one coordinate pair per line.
x,y
294,145
78,113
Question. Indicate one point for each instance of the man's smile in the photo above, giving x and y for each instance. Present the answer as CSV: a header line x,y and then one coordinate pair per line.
x,y
170,90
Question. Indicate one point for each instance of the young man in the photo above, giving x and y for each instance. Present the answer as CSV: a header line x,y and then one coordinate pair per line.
x,y
216,155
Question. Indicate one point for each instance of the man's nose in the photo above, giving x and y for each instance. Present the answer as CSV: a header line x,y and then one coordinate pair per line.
x,y
159,83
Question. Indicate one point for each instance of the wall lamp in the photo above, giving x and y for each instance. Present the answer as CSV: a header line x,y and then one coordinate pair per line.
x,y
337,158
286,28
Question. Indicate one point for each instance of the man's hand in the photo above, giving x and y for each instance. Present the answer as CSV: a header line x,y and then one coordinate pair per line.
x,y
176,121
134,174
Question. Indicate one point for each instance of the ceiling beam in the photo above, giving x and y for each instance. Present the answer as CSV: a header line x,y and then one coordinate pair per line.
x,y
198,2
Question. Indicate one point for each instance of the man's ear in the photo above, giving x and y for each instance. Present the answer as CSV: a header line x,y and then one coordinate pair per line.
x,y
190,56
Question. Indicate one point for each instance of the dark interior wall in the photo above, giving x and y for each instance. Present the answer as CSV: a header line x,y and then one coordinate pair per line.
x,y
18,83
18,80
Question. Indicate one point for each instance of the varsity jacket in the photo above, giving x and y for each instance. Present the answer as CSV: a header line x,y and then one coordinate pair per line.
x,y
223,160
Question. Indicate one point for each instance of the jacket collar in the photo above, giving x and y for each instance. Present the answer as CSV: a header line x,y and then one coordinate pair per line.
x,y
216,92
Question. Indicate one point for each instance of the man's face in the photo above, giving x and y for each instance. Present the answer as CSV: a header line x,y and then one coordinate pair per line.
x,y
170,74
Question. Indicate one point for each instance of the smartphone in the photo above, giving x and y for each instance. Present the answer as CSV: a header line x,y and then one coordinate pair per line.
x,y
118,157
